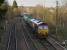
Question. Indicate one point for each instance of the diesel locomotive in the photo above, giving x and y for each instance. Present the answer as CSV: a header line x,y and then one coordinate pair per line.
x,y
37,25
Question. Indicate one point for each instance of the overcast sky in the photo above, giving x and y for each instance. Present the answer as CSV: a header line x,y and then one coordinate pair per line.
x,y
48,3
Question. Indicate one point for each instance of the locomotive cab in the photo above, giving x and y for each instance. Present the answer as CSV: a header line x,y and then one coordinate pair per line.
x,y
43,29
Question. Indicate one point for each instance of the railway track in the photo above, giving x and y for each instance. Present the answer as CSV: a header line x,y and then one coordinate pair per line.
x,y
44,42
12,38
55,44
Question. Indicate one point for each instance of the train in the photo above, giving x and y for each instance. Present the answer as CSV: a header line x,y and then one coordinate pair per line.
x,y
38,26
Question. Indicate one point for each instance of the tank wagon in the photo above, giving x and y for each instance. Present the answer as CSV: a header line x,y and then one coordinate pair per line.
x,y
38,26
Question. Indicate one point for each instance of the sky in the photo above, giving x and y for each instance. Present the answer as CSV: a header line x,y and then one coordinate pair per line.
x,y
47,3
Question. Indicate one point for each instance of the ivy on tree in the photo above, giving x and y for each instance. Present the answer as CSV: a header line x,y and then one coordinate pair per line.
x,y
14,4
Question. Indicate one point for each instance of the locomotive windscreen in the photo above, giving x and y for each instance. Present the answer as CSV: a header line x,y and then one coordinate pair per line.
x,y
43,26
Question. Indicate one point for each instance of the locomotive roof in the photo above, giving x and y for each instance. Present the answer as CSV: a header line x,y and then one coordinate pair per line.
x,y
44,24
36,21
